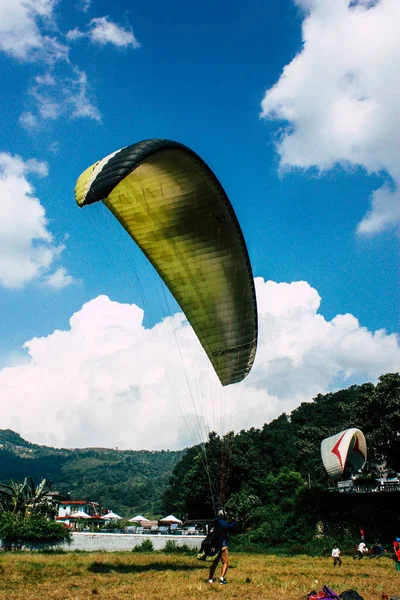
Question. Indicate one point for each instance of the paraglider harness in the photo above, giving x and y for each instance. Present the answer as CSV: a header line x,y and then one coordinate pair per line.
x,y
211,546
328,594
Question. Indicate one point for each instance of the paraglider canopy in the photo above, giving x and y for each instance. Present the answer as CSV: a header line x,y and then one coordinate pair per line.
x,y
175,209
345,449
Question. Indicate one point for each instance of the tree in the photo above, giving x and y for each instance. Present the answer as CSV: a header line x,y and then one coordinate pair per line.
x,y
278,520
378,412
241,506
27,517
25,499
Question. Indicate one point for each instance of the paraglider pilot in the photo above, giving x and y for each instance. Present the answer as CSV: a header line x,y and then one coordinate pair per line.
x,y
221,526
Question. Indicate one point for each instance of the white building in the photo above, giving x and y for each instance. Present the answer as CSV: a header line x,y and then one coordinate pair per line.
x,y
66,507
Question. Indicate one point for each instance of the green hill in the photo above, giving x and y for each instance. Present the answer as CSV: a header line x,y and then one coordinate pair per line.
x,y
125,481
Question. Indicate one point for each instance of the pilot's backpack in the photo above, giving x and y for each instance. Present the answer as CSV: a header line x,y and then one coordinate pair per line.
x,y
210,546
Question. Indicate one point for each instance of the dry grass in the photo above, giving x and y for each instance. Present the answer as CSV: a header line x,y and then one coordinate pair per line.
x,y
153,576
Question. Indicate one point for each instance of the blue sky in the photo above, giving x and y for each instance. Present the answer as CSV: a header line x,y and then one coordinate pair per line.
x,y
294,105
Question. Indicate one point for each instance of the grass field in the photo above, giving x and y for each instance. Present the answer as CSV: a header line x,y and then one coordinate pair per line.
x,y
156,576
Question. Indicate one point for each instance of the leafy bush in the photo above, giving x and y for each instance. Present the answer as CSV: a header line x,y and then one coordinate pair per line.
x,y
171,547
15,531
47,550
145,546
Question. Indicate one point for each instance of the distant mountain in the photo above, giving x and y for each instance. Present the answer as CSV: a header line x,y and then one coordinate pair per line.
x,y
10,437
126,481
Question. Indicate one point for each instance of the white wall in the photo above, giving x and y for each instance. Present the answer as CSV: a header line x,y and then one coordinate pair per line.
x,y
117,542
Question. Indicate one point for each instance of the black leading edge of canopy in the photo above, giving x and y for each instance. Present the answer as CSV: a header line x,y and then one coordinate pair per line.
x,y
125,161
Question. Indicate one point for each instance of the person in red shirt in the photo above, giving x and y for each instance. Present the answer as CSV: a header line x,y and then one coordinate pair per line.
x,y
396,553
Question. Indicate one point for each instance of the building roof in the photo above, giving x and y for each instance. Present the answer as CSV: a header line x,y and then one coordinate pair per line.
x,y
71,517
77,502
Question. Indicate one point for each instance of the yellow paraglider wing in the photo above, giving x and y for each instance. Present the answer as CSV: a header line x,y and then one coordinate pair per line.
x,y
175,209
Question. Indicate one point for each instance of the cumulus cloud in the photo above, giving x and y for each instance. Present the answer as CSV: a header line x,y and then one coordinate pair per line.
x,y
102,31
21,30
27,247
110,381
339,97
59,279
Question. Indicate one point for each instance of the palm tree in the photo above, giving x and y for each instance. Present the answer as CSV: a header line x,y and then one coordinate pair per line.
x,y
25,499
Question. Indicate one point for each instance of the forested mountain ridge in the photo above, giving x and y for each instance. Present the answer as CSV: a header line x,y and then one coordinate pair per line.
x,y
273,477
126,481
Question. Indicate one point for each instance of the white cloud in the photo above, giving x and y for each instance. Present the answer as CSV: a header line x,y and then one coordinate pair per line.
x,y
46,79
60,95
340,97
63,89
78,99
29,32
108,381
28,120
102,31
27,247
49,106
384,211
75,34
21,22
85,5
59,279
15,166
54,147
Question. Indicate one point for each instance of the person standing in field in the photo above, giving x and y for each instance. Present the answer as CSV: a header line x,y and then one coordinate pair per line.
x,y
336,556
221,526
377,550
361,550
396,553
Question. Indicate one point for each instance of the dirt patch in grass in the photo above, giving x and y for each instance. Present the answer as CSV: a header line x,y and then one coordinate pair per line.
x,y
153,576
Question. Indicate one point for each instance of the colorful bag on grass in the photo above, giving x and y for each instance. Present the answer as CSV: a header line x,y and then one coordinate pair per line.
x,y
326,593
330,593
316,595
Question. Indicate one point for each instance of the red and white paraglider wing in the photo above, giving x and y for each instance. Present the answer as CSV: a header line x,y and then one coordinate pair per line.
x,y
345,448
